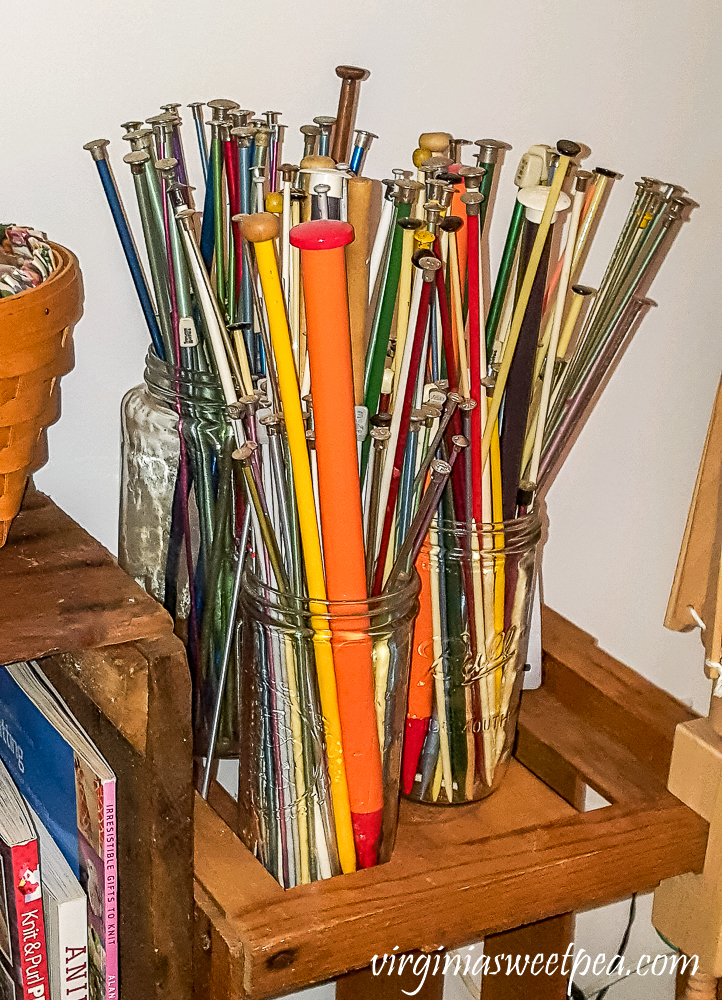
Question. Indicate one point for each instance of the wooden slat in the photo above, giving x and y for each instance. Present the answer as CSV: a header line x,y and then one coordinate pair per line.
x,y
61,590
547,938
603,763
611,698
147,742
391,984
455,876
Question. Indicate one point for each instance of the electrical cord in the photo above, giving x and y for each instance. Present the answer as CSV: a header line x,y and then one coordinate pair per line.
x,y
575,992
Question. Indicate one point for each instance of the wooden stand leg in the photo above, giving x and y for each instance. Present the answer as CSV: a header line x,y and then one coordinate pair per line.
x,y
364,985
548,938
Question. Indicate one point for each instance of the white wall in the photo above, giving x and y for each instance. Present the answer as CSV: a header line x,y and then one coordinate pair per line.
x,y
635,80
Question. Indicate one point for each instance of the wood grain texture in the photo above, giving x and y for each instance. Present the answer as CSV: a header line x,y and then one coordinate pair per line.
x,y
146,738
390,983
696,575
546,938
61,590
458,875
608,695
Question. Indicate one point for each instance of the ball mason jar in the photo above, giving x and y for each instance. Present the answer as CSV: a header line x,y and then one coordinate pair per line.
x,y
469,654
286,792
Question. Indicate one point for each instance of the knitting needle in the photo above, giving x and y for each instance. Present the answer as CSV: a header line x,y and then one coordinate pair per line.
x,y
261,230
567,150
195,107
98,150
329,350
351,78
226,654
579,195
521,369
400,420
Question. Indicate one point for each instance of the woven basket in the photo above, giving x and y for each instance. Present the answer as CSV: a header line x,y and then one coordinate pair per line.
x,y
36,348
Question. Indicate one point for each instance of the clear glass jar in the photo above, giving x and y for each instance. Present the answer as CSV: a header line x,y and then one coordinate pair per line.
x,y
178,520
469,654
286,790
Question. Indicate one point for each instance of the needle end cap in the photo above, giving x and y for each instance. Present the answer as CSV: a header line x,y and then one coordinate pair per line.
x,y
568,148
352,73
259,228
321,234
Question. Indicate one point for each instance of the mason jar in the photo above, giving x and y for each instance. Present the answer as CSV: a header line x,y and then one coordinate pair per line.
x,y
289,807
178,521
468,660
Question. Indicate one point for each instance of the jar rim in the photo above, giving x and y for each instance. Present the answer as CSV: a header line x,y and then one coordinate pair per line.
x,y
400,599
526,522
165,379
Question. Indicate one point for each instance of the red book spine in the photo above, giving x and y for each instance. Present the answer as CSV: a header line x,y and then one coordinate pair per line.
x,y
27,894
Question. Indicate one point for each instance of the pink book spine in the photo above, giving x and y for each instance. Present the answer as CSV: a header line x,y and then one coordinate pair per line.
x,y
110,865
31,925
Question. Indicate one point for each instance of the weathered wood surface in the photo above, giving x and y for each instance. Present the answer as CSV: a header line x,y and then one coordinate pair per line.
x,y
61,590
134,701
547,938
459,874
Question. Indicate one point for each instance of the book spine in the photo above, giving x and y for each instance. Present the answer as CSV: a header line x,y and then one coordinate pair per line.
x,y
72,957
27,894
110,866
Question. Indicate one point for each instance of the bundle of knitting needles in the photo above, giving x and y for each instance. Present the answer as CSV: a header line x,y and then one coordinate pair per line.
x,y
380,382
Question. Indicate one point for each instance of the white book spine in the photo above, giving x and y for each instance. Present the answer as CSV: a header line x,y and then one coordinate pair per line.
x,y
68,950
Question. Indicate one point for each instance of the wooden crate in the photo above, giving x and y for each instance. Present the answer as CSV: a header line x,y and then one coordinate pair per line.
x,y
524,855
458,874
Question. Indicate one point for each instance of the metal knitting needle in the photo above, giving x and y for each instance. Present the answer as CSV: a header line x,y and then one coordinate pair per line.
x,y
452,401
567,150
361,145
325,126
98,150
178,152
380,434
577,407
455,147
409,551
141,138
253,486
310,135
321,192
226,654
201,136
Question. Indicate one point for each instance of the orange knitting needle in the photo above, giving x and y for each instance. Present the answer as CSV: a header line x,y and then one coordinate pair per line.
x,y
323,269
421,683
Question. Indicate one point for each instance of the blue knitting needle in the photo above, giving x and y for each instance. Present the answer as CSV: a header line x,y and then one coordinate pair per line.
x,y
98,151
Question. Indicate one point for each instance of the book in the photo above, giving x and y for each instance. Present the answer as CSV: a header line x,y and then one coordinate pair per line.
x,y
66,920
70,785
23,958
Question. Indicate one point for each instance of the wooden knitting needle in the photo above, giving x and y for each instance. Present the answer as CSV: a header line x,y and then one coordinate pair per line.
x,y
359,203
351,77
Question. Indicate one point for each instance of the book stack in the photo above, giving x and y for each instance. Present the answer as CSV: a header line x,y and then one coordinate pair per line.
x,y
58,853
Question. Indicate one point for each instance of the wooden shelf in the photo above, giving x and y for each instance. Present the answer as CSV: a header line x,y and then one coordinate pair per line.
x,y
61,590
457,874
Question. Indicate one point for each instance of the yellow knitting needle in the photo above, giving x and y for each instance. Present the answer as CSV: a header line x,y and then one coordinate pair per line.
x,y
261,230
567,150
